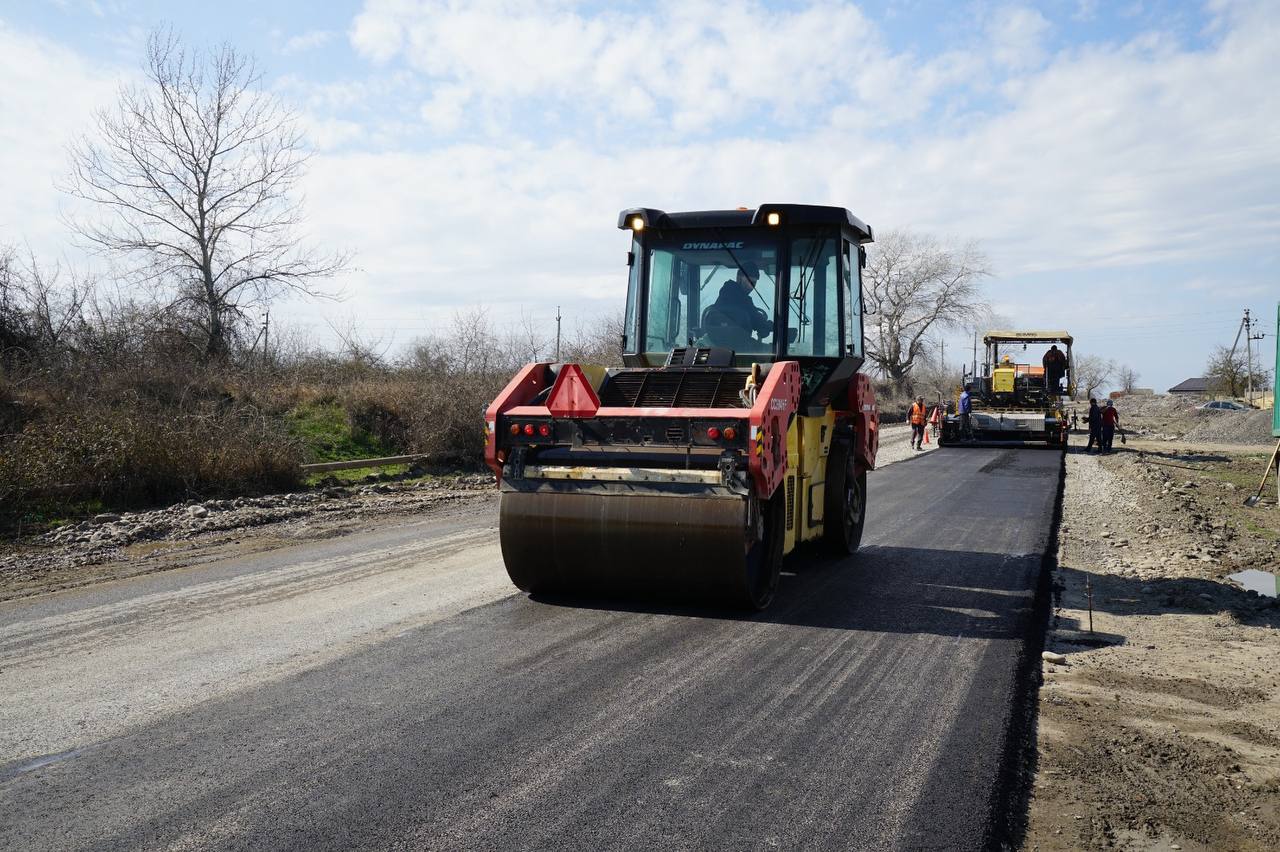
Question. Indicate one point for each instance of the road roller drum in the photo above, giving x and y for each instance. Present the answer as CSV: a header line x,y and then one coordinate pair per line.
x,y
718,548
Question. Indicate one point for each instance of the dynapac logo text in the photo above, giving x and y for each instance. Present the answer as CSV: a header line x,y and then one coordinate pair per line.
x,y
698,246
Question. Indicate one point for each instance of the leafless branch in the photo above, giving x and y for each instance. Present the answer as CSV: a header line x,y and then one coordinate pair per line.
x,y
198,171
912,286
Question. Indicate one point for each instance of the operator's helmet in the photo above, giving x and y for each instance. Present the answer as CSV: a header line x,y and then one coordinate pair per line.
x,y
752,270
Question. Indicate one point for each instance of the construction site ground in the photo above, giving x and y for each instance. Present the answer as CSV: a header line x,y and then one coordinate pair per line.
x,y
388,688
1160,728
211,670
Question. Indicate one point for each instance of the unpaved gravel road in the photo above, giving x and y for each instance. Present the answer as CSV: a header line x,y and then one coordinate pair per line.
x,y
1161,729
388,689
79,668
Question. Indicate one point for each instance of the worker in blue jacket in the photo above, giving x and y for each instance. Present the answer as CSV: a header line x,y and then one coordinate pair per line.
x,y
965,409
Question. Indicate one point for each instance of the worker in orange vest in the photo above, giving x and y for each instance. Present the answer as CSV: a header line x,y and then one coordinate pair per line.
x,y
917,416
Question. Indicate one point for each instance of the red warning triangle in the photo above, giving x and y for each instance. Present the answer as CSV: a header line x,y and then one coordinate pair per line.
x,y
571,396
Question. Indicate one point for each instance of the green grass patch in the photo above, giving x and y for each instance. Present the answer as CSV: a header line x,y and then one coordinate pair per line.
x,y
357,475
39,516
327,435
1264,532
1239,478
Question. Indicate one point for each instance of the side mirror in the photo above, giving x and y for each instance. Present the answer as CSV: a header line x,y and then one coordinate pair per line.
x,y
792,334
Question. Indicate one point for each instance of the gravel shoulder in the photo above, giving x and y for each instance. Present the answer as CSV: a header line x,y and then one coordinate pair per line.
x,y
895,445
1160,729
116,546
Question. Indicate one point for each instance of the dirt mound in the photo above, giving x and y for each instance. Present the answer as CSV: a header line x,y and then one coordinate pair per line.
x,y
1232,427
1168,417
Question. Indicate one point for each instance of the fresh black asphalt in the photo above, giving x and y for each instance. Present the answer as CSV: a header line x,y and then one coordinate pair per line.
x,y
870,708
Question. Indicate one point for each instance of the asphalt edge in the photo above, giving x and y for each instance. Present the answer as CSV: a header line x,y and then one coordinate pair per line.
x,y
910,458
1011,798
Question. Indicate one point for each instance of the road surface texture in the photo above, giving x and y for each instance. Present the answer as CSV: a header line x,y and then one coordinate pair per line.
x,y
390,690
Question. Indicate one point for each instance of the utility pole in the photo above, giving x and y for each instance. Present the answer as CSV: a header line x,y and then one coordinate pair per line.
x,y
1243,329
266,338
557,334
975,354
1246,329
1249,349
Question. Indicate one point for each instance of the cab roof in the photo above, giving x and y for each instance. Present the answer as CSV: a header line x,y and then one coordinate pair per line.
x,y
790,214
1027,337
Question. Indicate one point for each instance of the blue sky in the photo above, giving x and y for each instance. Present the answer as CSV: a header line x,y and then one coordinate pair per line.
x,y
1118,161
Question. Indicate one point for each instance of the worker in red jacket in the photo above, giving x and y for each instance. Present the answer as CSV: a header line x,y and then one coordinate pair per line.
x,y
1110,420
917,415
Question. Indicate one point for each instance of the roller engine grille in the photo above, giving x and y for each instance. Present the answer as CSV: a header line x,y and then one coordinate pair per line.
x,y
673,389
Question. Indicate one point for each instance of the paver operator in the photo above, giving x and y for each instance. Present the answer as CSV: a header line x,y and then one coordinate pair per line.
x,y
1055,365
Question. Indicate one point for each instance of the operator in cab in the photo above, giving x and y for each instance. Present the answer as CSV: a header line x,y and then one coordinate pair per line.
x,y
735,306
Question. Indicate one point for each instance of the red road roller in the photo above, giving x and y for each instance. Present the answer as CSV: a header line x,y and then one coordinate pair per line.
x,y
737,428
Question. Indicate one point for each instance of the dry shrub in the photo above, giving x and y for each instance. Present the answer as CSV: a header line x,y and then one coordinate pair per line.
x,y
383,409
144,454
448,416
14,413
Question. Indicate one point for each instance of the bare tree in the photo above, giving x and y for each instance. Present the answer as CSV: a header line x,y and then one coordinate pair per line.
x,y
199,169
914,285
596,340
1228,372
524,342
41,307
1092,372
934,382
1128,378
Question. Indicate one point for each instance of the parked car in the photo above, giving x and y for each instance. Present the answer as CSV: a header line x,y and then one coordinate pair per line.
x,y
1223,405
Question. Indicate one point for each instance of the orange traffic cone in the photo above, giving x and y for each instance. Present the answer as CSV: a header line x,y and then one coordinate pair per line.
x,y
926,435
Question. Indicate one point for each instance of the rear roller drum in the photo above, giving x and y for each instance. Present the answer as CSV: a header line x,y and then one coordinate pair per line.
x,y
710,549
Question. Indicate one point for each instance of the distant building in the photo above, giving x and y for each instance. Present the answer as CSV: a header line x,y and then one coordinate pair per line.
x,y
1191,387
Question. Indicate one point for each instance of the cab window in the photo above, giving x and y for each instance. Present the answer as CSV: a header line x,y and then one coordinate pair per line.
x,y
813,298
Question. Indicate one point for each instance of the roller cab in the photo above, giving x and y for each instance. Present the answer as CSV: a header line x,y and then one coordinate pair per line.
x,y
736,429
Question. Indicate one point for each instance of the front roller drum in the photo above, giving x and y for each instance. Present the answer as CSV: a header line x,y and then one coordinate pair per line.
x,y
643,545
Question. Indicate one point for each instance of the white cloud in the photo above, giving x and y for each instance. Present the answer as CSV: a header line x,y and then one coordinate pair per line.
x,y
328,133
47,97
444,111
702,63
1017,37
1107,158
306,41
